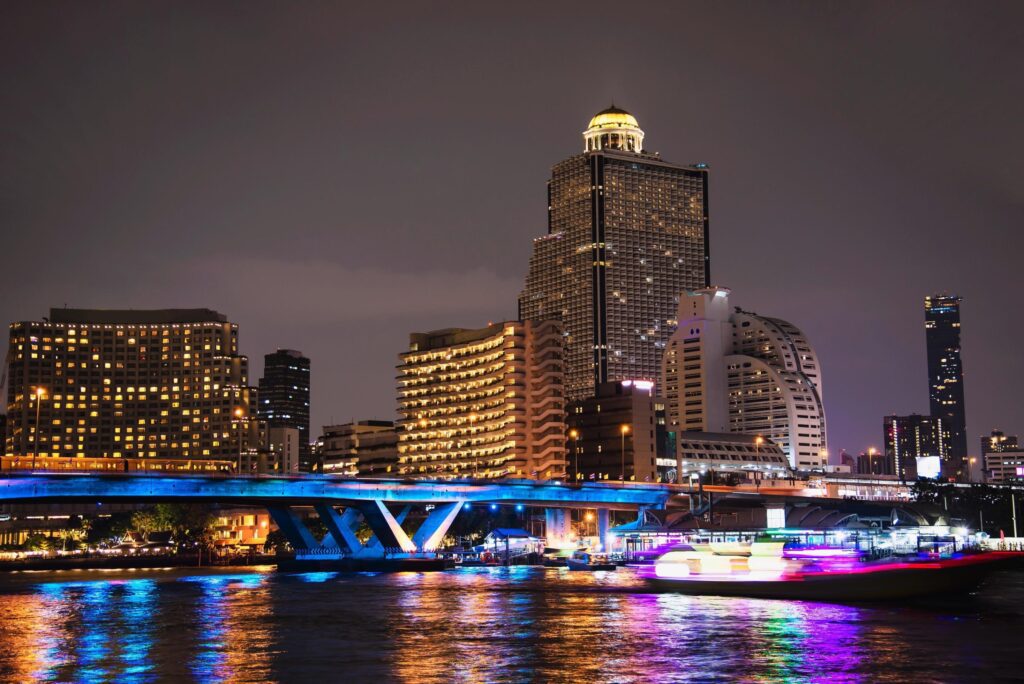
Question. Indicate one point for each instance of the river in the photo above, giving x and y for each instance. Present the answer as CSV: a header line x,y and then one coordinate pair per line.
x,y
480,625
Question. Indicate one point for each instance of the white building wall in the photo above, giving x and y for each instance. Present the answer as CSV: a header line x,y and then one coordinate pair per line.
x,y
729,371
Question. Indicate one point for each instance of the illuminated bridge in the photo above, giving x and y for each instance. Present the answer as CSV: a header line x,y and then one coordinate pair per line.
x,y
343,504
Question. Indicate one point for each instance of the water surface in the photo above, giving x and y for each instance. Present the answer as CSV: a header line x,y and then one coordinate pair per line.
x,y
480,625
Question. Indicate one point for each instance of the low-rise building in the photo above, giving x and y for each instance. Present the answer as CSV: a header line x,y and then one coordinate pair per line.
x,y
243,529
617,434
365,448
270,450
724,453
1001,456
1005,465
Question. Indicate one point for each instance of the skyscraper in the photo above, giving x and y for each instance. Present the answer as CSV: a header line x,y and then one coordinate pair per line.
x,y
284,397
627,233
946,376
149,385
735,371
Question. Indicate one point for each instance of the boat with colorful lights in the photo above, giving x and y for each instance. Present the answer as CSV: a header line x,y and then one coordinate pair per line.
x,y
782,571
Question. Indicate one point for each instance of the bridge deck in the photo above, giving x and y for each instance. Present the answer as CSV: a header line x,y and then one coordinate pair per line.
x,y
308,490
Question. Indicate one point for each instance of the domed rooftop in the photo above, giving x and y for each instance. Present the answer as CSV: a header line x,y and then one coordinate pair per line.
x,y
613,116
613,129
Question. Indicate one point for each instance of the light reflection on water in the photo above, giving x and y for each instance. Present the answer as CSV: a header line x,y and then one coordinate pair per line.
x,y
474,625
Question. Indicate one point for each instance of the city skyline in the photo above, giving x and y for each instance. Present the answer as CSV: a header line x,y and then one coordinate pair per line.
x,y
112,191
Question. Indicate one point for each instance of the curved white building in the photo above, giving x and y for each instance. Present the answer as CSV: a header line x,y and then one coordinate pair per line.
x,y
736,371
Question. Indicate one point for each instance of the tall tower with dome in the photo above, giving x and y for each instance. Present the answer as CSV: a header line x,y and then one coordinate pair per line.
x,y
627,234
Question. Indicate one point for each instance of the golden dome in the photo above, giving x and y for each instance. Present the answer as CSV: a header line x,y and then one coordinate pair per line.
x,y
613,116
613,129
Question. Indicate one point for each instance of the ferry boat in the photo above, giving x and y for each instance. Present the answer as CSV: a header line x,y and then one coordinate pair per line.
x,y
773,570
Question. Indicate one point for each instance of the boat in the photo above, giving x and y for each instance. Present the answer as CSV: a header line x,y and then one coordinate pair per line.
x,y
584,560
829,574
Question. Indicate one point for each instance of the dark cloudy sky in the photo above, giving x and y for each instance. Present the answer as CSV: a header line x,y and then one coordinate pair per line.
x,y
333,177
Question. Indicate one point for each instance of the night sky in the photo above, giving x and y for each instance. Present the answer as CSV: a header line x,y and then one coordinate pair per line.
x,y
333,177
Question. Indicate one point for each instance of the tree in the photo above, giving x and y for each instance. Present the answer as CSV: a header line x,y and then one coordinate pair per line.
x,y
105,528
276,541
38,542
189,524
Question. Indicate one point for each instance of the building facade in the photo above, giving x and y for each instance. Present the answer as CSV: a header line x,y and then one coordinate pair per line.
x,y
998,441
627,232
1002,457
726,453
875,462
284,397
1005,466
618,434
915,445
365,448
735,371
164,384
284,447
946,377
485,403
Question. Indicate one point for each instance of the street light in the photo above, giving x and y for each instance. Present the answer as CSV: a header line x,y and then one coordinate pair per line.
x,y
239,415
758,441
40,395
575,435
871,460
623,431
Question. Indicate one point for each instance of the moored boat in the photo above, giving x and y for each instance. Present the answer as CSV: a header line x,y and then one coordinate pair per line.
x,y
584,560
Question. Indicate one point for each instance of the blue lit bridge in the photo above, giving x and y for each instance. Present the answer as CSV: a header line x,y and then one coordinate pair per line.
x,y
343,504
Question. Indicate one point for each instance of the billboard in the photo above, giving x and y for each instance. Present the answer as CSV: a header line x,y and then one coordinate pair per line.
x,y
929,466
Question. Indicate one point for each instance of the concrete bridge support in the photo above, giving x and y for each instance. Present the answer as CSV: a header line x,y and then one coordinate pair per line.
x,y
341,528
373,548
295,531
557,527
388,536
385,527
604,539
430,534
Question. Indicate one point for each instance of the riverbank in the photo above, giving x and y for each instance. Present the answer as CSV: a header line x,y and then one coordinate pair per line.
x,y
182,560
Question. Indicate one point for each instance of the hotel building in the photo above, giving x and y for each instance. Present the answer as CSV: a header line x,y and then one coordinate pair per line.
x,y
165,384
485,403
627,232
736,371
